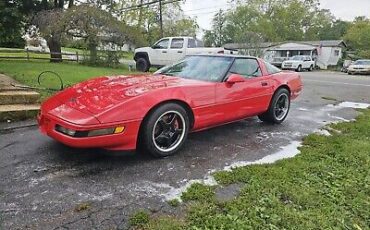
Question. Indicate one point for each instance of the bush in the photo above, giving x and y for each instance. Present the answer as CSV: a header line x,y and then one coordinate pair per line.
x,y
364,54
104,59
76,44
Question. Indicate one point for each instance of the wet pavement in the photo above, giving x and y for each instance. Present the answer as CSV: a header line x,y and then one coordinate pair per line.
x,y
45,185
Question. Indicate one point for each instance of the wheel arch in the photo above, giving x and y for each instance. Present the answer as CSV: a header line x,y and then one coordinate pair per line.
x,y
283,86
142,55
182,103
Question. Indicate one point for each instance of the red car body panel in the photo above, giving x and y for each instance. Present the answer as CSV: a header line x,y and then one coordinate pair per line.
x,y
107,102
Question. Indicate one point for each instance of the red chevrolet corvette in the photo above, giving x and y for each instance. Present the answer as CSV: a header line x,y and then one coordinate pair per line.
x,y
156,112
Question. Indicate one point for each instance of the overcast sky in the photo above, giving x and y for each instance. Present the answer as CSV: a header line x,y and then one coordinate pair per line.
x,y
344,9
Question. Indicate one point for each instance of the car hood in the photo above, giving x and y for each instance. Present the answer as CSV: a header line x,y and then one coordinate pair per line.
x,y
100,94
292,61
142,49
360,66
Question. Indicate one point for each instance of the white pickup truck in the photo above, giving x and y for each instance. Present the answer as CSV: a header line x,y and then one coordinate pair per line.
x,y
168,50
299,63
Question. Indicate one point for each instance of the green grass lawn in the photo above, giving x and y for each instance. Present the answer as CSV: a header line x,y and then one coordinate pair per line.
x,y
26,72
327,186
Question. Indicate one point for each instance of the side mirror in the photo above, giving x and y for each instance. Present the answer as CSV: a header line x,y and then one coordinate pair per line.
x,y
234,78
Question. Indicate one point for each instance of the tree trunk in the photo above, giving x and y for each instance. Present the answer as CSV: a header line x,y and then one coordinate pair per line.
x,y
93,53
70,3
55,49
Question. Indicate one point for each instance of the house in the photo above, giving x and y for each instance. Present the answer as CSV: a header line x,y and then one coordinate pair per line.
x,y
326,53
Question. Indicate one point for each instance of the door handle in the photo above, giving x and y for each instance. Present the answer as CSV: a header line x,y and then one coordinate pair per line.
x,y
180,52
264,83
164,52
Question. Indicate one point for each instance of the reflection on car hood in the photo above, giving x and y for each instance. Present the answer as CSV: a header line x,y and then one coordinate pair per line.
x,y
96,95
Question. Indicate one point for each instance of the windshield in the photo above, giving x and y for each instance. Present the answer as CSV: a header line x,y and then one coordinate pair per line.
x,y
204,68
297,58
362,62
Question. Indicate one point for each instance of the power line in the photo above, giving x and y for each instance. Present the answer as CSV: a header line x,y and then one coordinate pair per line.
x,y
137,7
208,8
203,13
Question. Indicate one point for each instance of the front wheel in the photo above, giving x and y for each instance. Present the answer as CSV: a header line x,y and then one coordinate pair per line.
x,y
299,69
311,68
165,130
278,109
142,64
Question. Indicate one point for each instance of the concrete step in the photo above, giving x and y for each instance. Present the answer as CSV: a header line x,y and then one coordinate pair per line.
x,y
18,97
16,112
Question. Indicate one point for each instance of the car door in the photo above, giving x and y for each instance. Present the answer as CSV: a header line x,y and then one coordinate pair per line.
x,y
247,98
177,50
307,62
160,55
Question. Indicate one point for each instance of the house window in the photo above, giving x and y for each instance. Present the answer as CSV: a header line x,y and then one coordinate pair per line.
x,y
336,52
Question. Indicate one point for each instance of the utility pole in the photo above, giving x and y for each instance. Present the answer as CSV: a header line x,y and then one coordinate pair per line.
x,y
140,14
160,17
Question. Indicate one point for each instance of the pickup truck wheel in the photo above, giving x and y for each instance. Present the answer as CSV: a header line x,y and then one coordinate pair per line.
x,y
311,68
142,64
299,69
165,130
278,109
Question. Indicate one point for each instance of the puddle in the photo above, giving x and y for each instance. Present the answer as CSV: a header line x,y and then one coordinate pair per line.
x,y
323,132
354,105
288,151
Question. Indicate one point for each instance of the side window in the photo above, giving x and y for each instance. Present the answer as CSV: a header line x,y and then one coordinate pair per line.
x,y
192,43
271,69
162,44
177,43
246,67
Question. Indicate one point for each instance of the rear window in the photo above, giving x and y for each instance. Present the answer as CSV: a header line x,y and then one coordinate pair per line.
x,y
177,43
271,69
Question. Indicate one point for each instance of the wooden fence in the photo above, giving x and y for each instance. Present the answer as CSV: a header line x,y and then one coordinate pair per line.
x,y
19,54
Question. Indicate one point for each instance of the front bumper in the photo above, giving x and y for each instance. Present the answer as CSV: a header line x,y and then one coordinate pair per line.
x,y
359,71
121,141
289,67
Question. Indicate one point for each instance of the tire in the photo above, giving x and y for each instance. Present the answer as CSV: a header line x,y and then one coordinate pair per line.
x,y
299,69
142,64
271,115
164,131
311,68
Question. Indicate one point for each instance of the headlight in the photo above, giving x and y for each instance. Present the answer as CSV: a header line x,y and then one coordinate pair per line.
x,y
91,133
68,132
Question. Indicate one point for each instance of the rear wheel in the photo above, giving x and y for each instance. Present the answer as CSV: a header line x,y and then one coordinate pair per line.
x,y
142,64
165,130
278,109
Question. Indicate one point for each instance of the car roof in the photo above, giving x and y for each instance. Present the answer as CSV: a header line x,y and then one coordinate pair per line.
x,y
224,55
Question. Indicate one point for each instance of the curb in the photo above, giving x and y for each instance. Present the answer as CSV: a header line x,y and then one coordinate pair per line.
x,y
9,127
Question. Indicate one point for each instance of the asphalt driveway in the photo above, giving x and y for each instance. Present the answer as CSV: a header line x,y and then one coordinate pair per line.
x,y
45,185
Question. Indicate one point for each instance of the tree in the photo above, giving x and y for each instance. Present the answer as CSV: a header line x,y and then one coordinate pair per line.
x,y
146,19
51,27
95,26
358,37
254,21
11,25
219,35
